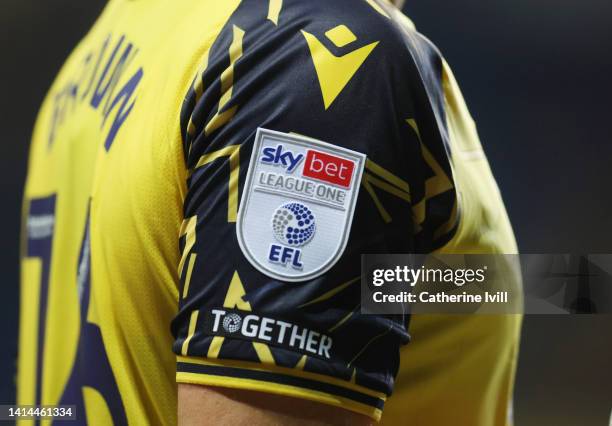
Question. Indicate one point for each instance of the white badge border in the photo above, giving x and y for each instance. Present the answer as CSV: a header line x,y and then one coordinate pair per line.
x,y
358,157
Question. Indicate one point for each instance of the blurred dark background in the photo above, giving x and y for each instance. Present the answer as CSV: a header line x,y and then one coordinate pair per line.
x,y
537,78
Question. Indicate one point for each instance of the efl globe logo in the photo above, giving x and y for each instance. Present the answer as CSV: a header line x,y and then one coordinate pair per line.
x,y
293,224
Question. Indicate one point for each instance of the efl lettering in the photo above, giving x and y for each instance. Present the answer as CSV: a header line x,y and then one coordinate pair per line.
x,y
297,262
275,250
285,256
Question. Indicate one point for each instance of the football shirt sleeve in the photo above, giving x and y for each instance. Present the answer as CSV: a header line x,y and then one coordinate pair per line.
x,y
257,321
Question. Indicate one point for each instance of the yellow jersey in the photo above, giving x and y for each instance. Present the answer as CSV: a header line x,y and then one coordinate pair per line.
x,y
134,276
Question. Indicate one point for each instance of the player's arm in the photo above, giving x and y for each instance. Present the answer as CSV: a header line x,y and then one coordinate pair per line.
x,y
201,405
269,328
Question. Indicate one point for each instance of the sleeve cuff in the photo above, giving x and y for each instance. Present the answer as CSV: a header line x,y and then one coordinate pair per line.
x,y
281,381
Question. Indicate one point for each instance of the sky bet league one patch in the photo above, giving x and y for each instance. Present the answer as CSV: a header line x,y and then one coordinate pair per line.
x,y
297,206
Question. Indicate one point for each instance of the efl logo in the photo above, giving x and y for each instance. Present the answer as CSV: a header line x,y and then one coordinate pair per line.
x,y
329,168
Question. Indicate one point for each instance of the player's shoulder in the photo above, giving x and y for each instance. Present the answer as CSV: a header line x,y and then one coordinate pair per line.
x,y
339,26
378,18
292,62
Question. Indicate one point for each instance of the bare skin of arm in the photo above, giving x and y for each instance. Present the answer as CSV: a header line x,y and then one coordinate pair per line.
x,y
205,405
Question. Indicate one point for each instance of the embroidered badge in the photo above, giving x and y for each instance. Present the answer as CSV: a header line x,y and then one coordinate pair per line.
x,y
297,205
